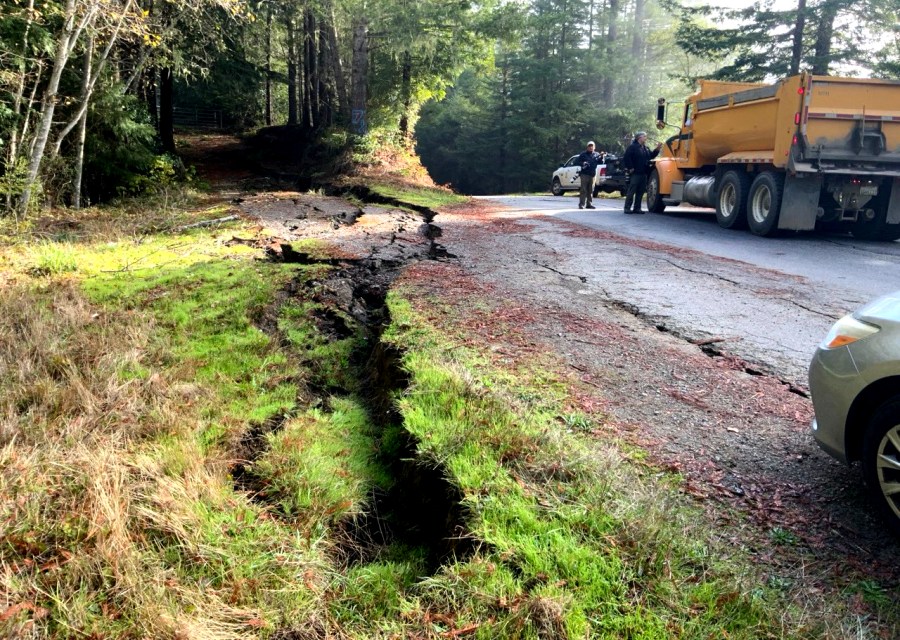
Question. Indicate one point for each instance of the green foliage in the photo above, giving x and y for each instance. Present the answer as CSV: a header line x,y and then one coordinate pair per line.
x,y
12,180
755,43
120,151
580,72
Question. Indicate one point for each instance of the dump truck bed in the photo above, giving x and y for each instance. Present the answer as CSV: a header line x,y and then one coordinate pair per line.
x,y
849,125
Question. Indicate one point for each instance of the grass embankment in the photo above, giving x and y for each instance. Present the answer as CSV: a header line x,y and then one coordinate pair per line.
x,y
167,472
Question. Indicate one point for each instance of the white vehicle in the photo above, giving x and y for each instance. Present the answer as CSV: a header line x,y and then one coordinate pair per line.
x,y
567,177
610,177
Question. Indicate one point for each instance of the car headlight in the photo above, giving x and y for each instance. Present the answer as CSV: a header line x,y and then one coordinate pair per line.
x,y
846,331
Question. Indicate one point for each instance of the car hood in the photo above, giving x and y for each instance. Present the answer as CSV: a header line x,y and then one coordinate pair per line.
x,y
880,310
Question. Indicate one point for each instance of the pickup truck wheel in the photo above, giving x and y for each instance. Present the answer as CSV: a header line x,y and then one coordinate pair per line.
x,y
556,187
731,200
881,461
654,197
764,203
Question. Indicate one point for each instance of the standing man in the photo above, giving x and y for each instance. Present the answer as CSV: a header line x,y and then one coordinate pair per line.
x,y
637,165
588,159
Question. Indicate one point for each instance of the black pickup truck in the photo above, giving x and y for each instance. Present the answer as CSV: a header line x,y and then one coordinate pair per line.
x,y
611,177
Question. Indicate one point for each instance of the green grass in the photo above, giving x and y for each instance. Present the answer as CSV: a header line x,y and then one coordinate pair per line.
x,y
579,553
421,196
53,259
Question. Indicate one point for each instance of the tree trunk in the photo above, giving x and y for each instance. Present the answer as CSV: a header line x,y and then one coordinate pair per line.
x,y
268,66
637,40
590,39
292,72
405,93
338,68
150,96
90,79
797,48
20,88
563,28
612,35
504,117
166,110
65,43
359,75
310,72
824,34
82,124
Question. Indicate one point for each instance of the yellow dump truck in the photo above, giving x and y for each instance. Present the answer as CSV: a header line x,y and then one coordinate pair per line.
x,y
806,152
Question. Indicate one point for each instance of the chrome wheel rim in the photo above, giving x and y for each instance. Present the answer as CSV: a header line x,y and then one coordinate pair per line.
x,y
888,468
762,204
728,200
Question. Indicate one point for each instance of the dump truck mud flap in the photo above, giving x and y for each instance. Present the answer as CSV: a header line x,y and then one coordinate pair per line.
x,y
800,202
893,210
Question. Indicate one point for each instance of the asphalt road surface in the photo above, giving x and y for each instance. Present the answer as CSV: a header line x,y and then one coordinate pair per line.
x,y
768,301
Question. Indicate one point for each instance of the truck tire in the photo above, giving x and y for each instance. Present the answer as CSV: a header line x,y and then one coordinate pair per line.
x,y
556,188
731,200
654,197
764,203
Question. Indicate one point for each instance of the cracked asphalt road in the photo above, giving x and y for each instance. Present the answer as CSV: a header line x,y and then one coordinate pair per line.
x,y
768,301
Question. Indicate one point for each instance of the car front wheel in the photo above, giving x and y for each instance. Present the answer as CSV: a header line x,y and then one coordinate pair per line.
x,y
556,187
881,461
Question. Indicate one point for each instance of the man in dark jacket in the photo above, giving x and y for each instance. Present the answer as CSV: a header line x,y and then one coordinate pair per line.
x,y
588,161
637,165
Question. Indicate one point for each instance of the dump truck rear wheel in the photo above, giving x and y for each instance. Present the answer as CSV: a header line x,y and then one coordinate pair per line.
x,y
654,197
731,200
764,203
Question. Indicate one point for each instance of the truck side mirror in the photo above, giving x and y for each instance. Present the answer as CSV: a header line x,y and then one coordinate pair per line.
x,y
661,114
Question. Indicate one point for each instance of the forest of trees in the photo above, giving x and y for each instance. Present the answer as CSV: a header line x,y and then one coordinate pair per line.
x,y
492,93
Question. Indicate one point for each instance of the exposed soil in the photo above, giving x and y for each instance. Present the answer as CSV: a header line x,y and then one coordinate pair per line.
x,y
739,437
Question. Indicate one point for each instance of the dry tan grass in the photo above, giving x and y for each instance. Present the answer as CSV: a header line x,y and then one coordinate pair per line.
x,y
82,485
61,362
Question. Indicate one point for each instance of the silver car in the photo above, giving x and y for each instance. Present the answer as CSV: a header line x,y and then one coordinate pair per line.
x,y
854,379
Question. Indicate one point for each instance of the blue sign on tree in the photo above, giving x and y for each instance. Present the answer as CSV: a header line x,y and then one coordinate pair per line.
x,y
358,121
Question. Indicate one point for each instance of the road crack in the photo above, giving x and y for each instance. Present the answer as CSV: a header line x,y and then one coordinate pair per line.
x,y
701,273
562,273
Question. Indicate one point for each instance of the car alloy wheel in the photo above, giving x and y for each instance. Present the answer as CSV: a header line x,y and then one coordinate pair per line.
x,y
881,461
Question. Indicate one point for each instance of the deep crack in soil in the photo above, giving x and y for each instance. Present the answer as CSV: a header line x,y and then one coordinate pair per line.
x,y
420,508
